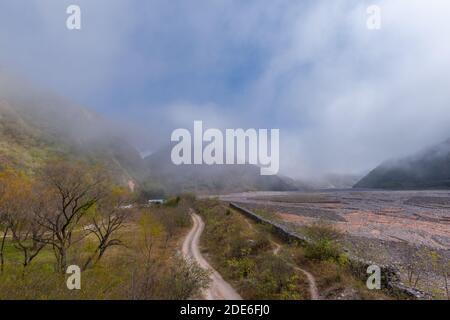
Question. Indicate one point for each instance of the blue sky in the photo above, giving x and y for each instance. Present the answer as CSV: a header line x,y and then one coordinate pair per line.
x,y
151,53
344,97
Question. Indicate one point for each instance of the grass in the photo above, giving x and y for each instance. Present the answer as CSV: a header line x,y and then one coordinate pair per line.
x,y
243,252
146,267
244,255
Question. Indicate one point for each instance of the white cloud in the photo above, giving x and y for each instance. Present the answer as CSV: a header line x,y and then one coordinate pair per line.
x,y
344,97
361,96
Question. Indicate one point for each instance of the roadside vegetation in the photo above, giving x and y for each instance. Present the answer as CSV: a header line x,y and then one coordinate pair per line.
x,y
74,214
423,262
244,256
428,270
329,263
261,266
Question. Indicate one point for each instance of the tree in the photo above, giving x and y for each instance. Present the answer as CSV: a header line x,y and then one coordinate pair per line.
x,y
71,190
27,235
446,274
441,265
18,207
5,230
4,227
149,230
417,263
108,216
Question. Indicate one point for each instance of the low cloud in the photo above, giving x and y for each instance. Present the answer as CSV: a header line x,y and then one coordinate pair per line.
x,y
345,98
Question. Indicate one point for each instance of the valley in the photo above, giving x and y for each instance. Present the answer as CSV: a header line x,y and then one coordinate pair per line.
x,y
408,229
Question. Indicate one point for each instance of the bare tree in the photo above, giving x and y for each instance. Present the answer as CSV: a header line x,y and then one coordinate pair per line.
x,y
415,264
170,224
4,227
18,207
2,245
27,235
109,216
441,265
446,274
71,190
149,230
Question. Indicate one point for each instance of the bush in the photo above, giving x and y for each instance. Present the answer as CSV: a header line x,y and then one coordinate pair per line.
x,y
322,245
322,230
172,202
273,278
322,250
178,280
244,255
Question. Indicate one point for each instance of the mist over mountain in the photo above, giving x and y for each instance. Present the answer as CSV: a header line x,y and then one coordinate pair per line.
x,y
211,178
36,125
428,169
335,181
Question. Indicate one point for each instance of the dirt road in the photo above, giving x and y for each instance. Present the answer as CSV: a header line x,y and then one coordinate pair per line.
x,y
313,290
219,289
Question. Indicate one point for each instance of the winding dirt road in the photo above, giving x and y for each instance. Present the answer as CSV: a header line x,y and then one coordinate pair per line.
x,y
219,289
313,290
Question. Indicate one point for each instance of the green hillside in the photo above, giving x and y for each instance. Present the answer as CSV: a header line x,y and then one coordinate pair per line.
x,y
36,126
429,169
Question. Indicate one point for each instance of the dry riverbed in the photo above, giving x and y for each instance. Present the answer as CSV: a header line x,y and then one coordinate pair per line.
x,y
383,226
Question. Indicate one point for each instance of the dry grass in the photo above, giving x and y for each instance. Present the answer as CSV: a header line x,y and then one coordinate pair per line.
x,y
227,229
244,255
147,266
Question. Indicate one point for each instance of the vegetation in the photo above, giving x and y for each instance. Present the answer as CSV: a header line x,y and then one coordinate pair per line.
x,y
245,256
261,266
422,260
73,214
323,244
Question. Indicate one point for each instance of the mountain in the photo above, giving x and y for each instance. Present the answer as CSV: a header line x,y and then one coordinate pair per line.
x,y
210,179
334,181
429,169
36,125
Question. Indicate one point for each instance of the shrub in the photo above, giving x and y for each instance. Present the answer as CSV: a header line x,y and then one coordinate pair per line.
x,y
322,245
172,202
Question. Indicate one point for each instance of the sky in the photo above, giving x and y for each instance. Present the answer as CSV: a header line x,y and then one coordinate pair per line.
x,y
344,97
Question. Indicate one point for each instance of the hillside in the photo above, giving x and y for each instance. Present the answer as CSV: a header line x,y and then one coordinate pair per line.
x,y
211,179
429,169
36,125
